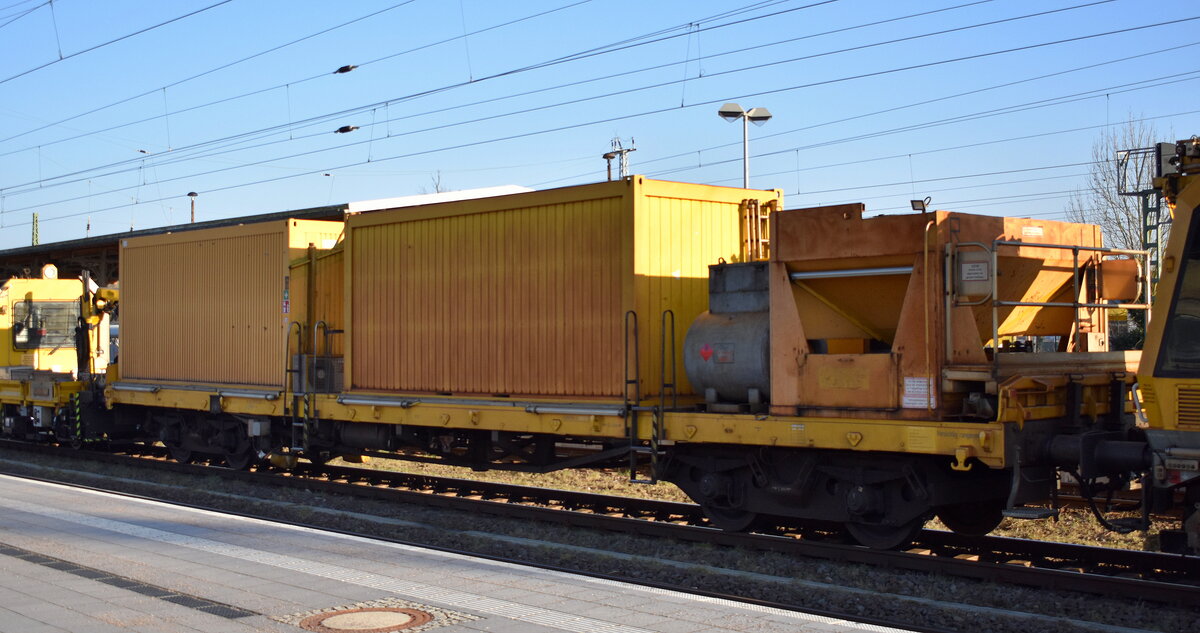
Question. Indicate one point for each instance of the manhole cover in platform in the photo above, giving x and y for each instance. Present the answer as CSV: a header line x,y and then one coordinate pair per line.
x,y
368,620
376,616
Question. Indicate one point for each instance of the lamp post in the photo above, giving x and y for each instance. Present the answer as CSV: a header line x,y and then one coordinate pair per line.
x,y
192,195
732,112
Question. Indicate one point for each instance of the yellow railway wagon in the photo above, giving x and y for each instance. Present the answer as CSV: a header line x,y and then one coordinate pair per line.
x,y
528,294
870,372
213,305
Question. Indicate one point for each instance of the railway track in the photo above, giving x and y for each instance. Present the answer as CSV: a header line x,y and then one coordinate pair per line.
x,y
1150,576
893,623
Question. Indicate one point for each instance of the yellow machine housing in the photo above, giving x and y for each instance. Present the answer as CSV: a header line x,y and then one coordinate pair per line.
x,y
40,371
1169,375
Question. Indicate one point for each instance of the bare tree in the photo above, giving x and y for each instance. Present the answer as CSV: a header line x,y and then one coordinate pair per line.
x,y
435,181
1120,217
1114,170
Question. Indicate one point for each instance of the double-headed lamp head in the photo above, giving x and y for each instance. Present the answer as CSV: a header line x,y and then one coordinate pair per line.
x,y
758,116
731,112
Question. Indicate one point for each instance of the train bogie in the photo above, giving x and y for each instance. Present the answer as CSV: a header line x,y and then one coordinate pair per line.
x,y
882,499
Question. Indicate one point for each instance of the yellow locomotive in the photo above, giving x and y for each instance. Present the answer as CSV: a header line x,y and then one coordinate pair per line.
x,y
57,340
774,364
1169,374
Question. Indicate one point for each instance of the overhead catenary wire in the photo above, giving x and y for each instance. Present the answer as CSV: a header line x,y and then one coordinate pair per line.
x,y
973,145
113,41
372,106
194,77
21,2
1092,94
38,186
318,151
804,128
353,164
958,177
325,74
999,200
432,150
20,14
9,189
239,61
940,190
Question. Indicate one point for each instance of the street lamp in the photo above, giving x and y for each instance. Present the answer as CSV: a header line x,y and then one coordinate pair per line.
x,y
192,195
732,112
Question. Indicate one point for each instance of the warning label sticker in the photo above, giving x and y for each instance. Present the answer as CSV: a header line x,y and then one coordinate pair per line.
x,y
973,271
918,393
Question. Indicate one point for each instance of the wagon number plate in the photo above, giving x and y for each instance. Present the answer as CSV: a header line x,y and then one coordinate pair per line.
x,y
1174,463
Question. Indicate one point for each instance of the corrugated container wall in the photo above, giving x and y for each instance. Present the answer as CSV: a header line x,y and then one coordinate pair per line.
x,y
328,297
527,294
213,305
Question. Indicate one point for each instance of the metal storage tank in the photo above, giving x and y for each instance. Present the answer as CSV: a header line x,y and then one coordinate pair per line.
x,y
212,306
527,294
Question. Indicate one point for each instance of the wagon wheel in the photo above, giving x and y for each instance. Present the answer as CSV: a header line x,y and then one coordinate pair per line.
x,y
243,458
878,536
181,454
731,520
239,451
975,518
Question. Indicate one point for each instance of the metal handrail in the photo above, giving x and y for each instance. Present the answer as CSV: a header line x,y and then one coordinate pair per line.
x,y
1075,283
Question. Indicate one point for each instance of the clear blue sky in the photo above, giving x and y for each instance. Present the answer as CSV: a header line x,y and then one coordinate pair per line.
x,y
239,101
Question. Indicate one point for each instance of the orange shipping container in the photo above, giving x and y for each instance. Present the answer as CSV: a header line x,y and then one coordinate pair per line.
x,y
527,294
212,306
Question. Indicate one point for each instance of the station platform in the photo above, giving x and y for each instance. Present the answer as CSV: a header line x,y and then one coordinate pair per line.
x,y
77,561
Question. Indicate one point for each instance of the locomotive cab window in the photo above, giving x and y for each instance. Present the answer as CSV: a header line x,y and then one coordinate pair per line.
x,y
1180,355
44,324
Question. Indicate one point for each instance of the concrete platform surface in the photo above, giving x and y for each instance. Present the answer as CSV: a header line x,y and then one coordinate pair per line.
x,y
84,561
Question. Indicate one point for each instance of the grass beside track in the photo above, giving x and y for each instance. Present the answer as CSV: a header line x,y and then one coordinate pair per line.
x,y
1074,525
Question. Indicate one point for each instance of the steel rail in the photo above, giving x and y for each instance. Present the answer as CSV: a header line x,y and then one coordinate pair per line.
x,y
643,582
1128,574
